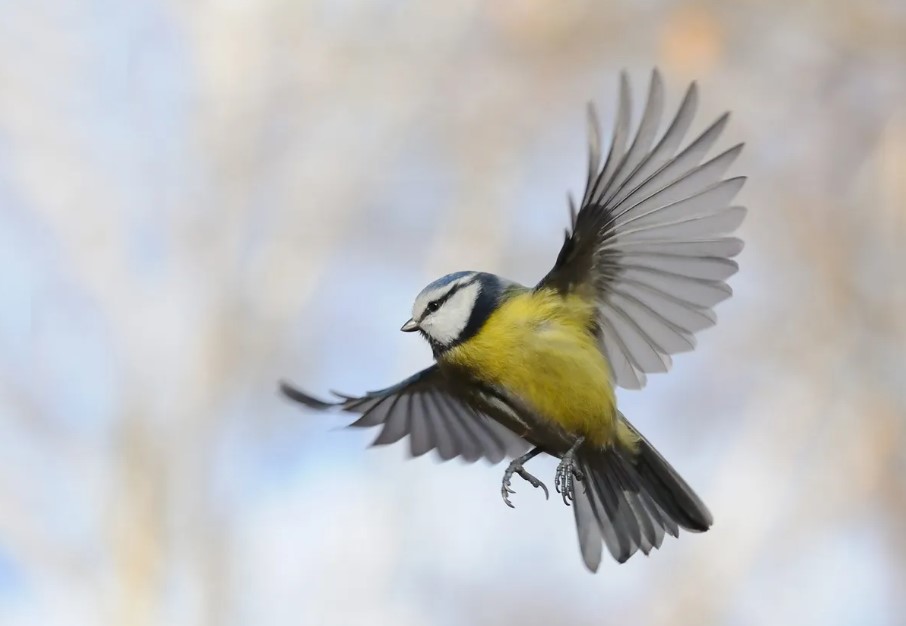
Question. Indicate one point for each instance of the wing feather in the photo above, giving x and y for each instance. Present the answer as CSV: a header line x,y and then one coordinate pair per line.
x,y
723,247
676,168
663,333
490,441
376,413
642,350
651,239
666,147
645,136
618,357
397,425
469,447
447,447
422,437
704,267
617,146
684,314
431,413
673,205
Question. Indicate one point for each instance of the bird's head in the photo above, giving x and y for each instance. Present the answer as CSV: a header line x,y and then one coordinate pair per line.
x,y
454,307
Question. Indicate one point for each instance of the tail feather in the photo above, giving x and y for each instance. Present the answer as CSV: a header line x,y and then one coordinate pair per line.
x,y
671,492
630,500
647,521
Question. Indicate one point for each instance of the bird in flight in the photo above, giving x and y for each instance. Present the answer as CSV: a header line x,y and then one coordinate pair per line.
x,y
521,371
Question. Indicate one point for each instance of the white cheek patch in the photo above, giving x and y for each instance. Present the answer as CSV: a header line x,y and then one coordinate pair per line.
x,y
426,296
447,323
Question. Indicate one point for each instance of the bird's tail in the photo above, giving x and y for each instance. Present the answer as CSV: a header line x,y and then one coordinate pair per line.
x,y
629,499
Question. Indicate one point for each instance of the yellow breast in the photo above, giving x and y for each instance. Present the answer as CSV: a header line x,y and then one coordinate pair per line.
x,y
538,346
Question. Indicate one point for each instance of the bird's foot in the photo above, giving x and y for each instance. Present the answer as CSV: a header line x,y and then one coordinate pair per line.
x,y
516,468
568,473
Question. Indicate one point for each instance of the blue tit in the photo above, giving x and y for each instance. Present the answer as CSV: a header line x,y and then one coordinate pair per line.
x,y
520,371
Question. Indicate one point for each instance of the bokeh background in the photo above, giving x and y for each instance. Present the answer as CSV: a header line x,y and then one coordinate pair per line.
x,y
200,198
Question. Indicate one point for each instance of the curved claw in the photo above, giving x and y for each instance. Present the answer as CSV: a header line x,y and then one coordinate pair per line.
x,y
565,478
547,495
565,498
534,482
505,491
516,468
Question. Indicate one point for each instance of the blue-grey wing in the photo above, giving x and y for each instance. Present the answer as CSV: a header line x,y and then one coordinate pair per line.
x,y
651,240
434,416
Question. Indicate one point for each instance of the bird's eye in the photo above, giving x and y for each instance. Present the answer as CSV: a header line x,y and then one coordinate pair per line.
x,y
433,306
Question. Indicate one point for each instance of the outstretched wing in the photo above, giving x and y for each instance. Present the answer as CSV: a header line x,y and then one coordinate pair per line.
x,y
650,242
425,407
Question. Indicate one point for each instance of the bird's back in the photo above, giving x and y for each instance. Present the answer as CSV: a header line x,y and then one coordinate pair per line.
x,y
540,346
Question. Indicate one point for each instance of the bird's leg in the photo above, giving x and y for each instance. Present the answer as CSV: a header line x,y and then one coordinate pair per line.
x,y
515,467
567,471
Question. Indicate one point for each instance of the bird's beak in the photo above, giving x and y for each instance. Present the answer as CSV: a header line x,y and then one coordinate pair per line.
x,y
409,326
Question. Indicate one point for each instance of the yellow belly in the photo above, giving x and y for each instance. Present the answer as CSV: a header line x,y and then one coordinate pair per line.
x,y
538,346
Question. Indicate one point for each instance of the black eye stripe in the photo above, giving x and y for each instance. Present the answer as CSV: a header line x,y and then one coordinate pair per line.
x,y
434,305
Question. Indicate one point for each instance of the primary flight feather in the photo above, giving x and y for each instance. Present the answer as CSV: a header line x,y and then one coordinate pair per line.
x,y
521,371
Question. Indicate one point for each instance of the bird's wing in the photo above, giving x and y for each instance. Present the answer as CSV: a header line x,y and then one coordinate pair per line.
x,y
650,241
425,407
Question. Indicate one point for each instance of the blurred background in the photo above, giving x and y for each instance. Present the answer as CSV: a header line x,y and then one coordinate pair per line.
x,y
199,199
